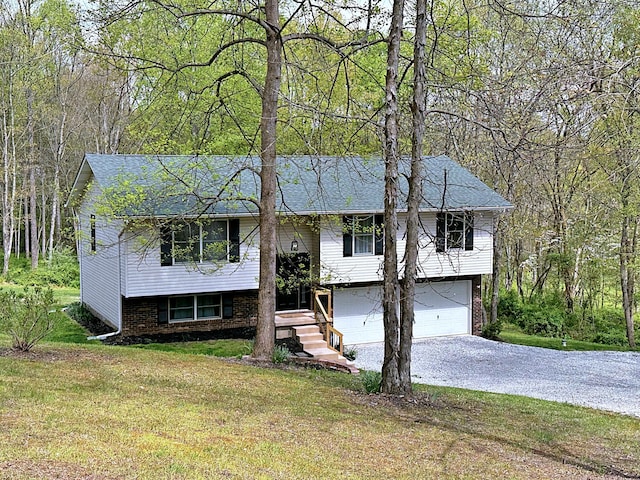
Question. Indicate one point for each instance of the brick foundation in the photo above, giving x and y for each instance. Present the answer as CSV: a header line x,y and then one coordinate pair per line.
x,y
476,305
140,317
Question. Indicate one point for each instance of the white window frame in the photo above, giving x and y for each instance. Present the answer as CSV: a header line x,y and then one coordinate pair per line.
x,y
200,243
368,236
195,307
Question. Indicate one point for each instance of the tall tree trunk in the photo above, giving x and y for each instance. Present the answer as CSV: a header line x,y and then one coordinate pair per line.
x,y
9,184
390,373
265,330
628,239
407,297
33,202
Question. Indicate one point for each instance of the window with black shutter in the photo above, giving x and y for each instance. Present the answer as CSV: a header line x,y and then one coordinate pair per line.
x,y
454,231
362,235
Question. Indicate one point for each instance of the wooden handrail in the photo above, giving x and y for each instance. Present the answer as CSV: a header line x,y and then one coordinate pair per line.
x,y
332,336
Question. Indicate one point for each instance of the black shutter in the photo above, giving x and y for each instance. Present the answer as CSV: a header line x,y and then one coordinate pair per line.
x,y
441,220
379,234
227,306
163,311
468,231
165,246
347,238
234,240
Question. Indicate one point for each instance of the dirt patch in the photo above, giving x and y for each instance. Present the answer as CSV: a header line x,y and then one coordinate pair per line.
x,y
40,354
17,469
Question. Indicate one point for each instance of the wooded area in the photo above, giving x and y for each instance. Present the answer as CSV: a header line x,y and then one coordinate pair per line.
x,y
538,98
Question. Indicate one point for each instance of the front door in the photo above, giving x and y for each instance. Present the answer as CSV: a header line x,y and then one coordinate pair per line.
x,y
294,292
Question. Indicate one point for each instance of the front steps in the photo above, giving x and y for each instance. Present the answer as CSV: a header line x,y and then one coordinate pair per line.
x,y
314,344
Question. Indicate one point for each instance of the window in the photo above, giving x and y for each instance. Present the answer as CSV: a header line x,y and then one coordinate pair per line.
x,y
195,307
454,231
201,241
92,227
362,235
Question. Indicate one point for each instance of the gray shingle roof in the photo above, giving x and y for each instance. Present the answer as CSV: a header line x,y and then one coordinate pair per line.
x,y
152,185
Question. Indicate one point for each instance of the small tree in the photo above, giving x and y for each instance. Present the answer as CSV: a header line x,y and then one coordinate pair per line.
x,y
25,316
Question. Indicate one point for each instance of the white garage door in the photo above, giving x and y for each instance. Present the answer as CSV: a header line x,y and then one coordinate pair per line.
x,y
442,308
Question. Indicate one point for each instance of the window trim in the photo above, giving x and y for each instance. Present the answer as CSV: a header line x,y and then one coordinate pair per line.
x,y
167,247
443,234
195,307
92,233
350,236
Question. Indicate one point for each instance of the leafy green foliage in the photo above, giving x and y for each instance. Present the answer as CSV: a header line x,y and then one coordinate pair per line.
x,y
350,353
492,330
545,315
371,381
280,354
26,317
62,270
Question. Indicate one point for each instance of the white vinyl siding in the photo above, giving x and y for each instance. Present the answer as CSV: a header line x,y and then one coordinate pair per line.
x,y
99,269
294,229
337,269
145,276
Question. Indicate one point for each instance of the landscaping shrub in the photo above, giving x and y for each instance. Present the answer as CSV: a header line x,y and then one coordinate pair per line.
x,y
371,381
509,307
350,353
546,322
280,354
26,317
492,330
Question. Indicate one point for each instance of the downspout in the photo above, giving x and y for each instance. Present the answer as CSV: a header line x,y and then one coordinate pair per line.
x,y
104,336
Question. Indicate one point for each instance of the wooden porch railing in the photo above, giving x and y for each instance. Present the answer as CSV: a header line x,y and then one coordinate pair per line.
x,y
324,318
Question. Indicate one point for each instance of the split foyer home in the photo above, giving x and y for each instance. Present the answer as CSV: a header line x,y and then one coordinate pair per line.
x,y
169,244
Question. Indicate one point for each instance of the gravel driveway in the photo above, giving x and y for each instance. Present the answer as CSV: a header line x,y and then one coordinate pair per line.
x,y
603,380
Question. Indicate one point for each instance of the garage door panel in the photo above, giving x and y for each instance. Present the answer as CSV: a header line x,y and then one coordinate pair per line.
x,y
441,308
358,314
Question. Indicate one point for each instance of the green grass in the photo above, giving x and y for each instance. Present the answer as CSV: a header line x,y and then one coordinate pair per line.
x,y
512,334
217,348
72,411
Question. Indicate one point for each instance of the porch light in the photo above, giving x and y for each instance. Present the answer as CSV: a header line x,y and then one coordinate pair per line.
x,y
294,246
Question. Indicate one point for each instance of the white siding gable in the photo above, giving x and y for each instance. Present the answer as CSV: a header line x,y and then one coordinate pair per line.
x,y
99,270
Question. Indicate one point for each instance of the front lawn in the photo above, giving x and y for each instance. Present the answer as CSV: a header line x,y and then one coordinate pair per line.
x,y
72,411
513,334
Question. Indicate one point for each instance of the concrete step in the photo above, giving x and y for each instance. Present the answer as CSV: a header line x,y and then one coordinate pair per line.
x,y
324,353
306,329
310,337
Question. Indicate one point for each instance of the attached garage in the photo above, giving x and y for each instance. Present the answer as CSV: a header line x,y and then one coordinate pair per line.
x,y
441,308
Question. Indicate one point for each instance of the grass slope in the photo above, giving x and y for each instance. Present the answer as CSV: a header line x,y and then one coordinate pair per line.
x,y
71,411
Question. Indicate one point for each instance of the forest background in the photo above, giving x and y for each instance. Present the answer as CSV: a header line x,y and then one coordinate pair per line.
x,y
538,98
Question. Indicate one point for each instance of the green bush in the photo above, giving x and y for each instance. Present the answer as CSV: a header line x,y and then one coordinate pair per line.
x,y
62,270
509,307
371,381
350,353
26,316
610,338
492,330
280,354
544,322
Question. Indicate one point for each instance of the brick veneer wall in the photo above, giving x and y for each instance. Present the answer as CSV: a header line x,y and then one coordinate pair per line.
x,y
476,305
140,317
